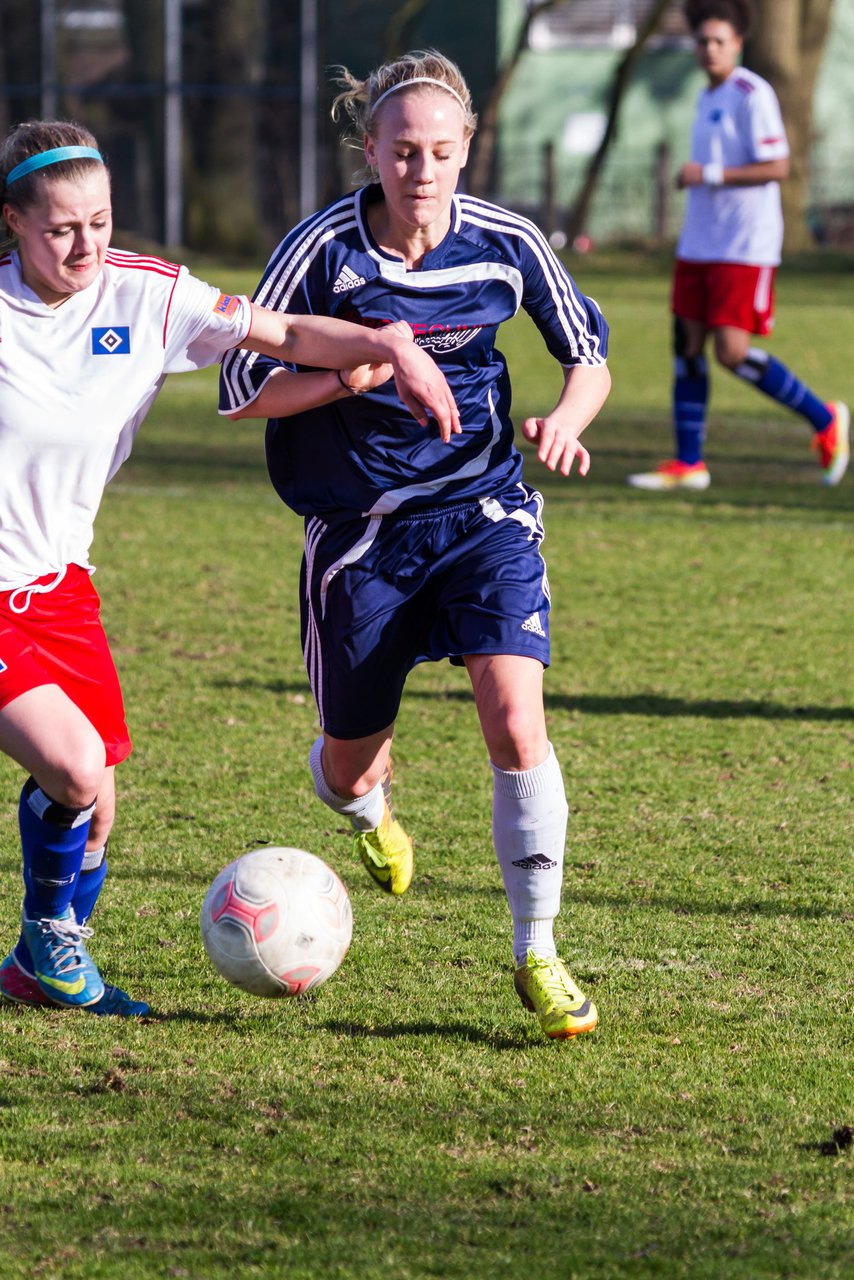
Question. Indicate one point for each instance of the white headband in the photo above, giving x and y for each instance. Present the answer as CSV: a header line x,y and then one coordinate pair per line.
x,y
404,84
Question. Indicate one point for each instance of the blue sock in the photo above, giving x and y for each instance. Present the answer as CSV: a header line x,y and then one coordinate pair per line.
x,y
53,840
778,382
90,882
690,397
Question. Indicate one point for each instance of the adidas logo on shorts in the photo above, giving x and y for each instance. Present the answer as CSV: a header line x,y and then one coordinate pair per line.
x,y
533,624
347,279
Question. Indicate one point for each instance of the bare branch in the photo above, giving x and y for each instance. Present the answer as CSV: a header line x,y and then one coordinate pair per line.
x,y
619,85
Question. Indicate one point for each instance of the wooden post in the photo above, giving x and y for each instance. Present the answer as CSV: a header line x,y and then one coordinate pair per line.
x,y
549,210
662,186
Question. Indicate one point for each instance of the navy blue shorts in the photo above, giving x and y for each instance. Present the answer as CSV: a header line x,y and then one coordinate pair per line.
x,y
379,594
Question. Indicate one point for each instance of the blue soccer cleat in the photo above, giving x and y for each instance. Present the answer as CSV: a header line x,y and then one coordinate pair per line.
x,y
115,1003
20,987
63,968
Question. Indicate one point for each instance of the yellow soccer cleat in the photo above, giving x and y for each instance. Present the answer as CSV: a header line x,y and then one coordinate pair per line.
x,y
387,854
544,986
387,850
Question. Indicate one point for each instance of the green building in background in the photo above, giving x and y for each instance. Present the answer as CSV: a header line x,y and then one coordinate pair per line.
x,y
553,114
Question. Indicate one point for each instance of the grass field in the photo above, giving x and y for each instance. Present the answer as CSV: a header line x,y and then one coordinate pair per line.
x,y
409,1121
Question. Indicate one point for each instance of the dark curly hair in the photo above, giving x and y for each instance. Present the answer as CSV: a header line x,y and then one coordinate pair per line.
x,y
739,14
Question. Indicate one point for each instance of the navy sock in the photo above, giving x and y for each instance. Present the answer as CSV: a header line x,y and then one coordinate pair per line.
x,y
690,397
771,376
53,841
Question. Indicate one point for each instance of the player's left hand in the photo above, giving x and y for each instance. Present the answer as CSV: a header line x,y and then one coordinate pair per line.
x,y
557,445
424,390
421,384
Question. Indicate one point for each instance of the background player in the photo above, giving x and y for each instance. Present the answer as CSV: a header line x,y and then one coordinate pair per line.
x,y
88,334
728,252
417,550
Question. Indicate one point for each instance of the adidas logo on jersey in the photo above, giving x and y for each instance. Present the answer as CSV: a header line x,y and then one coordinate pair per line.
x,y
347,279
533,624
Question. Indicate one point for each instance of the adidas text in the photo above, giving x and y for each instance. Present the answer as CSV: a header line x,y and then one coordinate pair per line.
x,y
347,279
533,624
537,862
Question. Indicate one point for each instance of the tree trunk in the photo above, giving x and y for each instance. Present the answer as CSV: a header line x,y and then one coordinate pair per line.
x,y
786,49
145,121
19,63
220,136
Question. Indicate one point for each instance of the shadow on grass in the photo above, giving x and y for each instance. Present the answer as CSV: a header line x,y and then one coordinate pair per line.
x,y
651,704
638,704
648,704
681,905
687,907
450,1030
231,1021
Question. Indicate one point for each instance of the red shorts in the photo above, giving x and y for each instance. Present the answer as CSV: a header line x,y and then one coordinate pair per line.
x,y
59,639
725,295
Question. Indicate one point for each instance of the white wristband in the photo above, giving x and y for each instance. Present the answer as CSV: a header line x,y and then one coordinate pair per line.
x,y
713,174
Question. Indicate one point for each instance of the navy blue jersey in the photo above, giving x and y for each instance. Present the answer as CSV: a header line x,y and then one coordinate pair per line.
x,y
367,454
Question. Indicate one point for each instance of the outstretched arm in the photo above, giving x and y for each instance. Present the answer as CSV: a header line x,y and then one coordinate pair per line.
x,y
585,390
336,344
286,393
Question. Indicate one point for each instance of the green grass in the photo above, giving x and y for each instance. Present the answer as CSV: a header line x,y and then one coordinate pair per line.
x,y
409,1121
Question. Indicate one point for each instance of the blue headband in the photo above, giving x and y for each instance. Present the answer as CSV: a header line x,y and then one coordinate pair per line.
x,y
45,158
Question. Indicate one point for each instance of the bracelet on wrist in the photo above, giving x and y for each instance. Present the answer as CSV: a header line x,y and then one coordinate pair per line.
x,y
346,385
713,174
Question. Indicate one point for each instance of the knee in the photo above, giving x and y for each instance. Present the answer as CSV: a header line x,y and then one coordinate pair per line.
x,y
349,776
517,741
688,342
729,351
75,780
350,782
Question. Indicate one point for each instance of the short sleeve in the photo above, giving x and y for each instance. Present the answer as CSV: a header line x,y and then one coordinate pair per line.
x,y
573,327
202,324
768,133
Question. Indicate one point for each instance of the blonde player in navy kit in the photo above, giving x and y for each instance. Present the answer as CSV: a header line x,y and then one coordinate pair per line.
x,y
417,549
87,335
728,253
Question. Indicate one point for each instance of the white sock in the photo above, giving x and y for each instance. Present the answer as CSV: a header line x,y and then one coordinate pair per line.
x,y
365,812
529,815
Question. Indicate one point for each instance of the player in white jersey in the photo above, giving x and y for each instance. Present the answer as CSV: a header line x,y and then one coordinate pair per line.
x,y
414,552
87,335
728,254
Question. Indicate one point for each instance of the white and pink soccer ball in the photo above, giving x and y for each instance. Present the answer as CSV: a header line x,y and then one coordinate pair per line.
x,y
277,922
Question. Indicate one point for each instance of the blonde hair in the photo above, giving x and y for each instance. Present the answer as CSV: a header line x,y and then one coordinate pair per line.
x,y
359,99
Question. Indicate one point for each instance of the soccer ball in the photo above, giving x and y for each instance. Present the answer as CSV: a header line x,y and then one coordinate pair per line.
x,y
277,922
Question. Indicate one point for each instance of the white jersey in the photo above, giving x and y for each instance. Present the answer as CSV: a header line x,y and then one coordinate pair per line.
x,y
737,123
76,381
